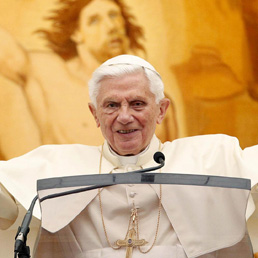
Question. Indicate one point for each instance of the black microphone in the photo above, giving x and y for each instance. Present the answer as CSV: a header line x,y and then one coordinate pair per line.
x,y
159,157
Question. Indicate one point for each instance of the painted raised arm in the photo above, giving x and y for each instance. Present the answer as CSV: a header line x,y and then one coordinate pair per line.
x,y
14,60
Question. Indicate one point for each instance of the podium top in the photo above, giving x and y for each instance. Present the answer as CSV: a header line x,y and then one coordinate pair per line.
x,y
143,178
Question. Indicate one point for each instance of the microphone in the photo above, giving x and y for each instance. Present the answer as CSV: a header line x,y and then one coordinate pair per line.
x,y
159,157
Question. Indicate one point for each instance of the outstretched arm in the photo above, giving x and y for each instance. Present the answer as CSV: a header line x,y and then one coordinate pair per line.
x,y
8,209
14,60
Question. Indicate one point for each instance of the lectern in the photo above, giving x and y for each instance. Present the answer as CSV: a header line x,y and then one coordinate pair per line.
x,y
207,214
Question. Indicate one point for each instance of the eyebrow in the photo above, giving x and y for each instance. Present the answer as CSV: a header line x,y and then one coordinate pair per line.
x,y
135,98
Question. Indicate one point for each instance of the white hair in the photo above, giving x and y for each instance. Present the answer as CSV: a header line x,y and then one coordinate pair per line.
x,y
116,70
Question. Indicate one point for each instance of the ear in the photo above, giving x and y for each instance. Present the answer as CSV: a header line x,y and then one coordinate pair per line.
x,y
163,106
94,113
76,37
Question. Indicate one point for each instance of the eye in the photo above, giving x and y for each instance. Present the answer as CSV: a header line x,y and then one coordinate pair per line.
x,y
93,20
138,104
112,105
113,14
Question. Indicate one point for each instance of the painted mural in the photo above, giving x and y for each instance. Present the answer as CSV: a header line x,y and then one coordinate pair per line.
x,y
44,92
205,51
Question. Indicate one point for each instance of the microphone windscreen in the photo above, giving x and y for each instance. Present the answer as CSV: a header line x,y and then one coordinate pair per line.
x,y
159,157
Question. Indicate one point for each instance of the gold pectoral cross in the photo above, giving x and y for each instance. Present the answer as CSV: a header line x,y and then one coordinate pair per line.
x,y
130,242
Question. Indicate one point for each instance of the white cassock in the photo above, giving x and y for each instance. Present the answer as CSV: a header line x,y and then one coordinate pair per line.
x,y
193,223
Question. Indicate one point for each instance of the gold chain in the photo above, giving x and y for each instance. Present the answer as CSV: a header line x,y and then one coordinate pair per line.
x,y
157,226
137,219
103,224
101,209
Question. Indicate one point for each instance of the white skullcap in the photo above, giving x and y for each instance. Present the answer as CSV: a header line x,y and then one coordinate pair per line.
x,y
129,60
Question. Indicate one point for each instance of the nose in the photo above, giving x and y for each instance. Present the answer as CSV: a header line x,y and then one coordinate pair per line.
x,y
124,116
110,23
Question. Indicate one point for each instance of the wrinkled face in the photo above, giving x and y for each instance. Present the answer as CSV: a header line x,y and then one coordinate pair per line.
x,y
127,112
102,30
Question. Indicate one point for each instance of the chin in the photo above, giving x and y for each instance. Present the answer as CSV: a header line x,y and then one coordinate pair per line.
x,y
117,51
130,147
130,151
127,151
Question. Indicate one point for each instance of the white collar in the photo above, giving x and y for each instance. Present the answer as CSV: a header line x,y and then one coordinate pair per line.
x,y
141,159
125,160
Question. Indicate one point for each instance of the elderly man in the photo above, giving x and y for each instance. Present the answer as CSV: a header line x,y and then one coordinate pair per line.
x,y
127,103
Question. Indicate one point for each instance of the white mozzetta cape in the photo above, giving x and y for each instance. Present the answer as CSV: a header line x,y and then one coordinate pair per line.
x,y
209,155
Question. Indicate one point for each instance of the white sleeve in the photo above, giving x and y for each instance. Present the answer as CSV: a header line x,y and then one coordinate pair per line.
x,y
8,209
250,157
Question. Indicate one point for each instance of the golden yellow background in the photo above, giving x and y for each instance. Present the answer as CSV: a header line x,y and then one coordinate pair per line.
x,y
205,51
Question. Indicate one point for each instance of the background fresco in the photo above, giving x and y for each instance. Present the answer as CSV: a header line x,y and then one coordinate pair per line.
x,y
205,50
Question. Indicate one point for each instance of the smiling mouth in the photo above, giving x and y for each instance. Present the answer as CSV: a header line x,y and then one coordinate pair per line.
x,y
126,131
